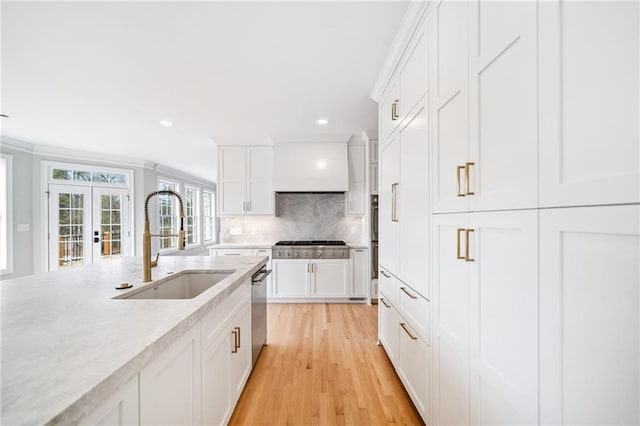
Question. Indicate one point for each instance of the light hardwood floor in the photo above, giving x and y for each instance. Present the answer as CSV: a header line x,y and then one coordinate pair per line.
x,y
322,366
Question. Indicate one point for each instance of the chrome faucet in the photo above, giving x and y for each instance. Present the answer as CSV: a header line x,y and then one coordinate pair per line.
x,y
147,263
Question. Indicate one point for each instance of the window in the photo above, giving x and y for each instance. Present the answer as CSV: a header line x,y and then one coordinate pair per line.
x,y
167,214
191,210
208,218
6,247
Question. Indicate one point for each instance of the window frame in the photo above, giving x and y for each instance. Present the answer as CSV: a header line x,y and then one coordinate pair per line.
x,y
197,215
212,215
175,215
6,213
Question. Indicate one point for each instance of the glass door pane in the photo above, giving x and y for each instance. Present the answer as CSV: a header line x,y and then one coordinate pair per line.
x,y
69,226
111,224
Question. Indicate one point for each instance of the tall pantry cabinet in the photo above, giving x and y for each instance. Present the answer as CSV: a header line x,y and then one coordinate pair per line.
x,y
533,210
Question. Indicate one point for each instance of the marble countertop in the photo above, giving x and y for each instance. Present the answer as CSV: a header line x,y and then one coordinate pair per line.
x,y
241,246
67,345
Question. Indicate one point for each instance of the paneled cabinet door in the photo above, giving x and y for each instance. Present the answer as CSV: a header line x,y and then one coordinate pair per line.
x,y
170,391
412,197
291,278
413,73
503,259
232,191
356,194
216,388
413,367
388,206
450,301
589,100
359,278
389,329
329,278
122,409
450,92
503,164
590,315
260,196
240,367
388,118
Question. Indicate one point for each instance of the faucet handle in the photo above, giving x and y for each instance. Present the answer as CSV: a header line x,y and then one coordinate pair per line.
x,y
154,263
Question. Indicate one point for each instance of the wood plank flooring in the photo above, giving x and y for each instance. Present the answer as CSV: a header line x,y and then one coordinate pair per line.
x,y
322,366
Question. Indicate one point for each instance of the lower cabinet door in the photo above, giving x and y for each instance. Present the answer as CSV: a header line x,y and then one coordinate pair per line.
x,y
291,278
170,391
329,278
240,366
122,409
413,367
590,315
359,278
389,321
216,395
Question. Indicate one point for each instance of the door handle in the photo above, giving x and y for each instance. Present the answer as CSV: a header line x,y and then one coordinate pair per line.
x,y
385,274
394,202
466,249
238,334
385,303
458,255
467,169
235,342
407,293
458,168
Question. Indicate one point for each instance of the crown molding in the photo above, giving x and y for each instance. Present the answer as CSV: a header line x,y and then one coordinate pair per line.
x,y
413,17
171,173
16,145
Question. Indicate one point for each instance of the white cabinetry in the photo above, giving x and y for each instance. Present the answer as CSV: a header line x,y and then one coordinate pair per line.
x,y
356,195
408,350
121,409
589,149
358,280
310,278
170,390
590,315
481,312
374,176
387,207
245,180
247,252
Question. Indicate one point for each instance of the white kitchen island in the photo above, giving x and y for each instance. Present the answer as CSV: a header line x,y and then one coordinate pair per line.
x,y
68,347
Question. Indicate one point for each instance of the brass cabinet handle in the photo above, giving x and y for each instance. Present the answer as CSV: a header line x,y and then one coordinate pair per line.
x,y
467,166
385,274
407,293
404,327
466,249
394,202
235,342
458,255
308,268
458,168
248,206
238,328
395,110
385,303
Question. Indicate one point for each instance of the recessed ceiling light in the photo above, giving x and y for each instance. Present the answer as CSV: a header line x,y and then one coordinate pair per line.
x,y
166,123
323,121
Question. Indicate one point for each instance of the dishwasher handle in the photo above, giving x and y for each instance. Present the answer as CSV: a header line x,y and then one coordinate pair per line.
x,y
257,281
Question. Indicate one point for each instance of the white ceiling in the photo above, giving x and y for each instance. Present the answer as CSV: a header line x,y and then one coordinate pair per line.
x,y
100,76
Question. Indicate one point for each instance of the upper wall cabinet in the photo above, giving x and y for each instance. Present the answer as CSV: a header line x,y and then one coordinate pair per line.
x,y
245,179
589,97
406,88
485,101
356,195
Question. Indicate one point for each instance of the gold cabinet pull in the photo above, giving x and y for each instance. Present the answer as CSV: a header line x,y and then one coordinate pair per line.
x,y
235,342
385,303
238,328
404,327
407,293
395,109
467,170
458,255
385,274
458,168
466,249
394,202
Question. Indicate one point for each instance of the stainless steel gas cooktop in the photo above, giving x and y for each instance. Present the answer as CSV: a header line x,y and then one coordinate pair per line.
x,y
310,249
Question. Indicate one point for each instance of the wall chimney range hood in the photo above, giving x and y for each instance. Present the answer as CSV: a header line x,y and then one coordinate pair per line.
x,y
310,167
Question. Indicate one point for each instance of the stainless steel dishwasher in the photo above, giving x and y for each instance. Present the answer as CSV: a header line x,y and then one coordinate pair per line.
x,y
259,311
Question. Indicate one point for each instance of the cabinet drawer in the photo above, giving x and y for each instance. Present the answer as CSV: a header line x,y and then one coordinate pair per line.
x,y
231,252
415,309
388,285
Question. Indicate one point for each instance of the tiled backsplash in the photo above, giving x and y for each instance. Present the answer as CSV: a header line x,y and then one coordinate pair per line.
x,y
299,217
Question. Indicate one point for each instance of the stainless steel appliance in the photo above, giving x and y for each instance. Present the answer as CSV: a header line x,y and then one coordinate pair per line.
x,y
259,311
374,236
310,249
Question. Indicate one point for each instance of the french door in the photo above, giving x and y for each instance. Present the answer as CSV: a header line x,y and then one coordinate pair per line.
x,y
87,225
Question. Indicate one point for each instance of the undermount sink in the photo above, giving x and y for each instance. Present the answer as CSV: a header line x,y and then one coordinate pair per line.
x,y
182,285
